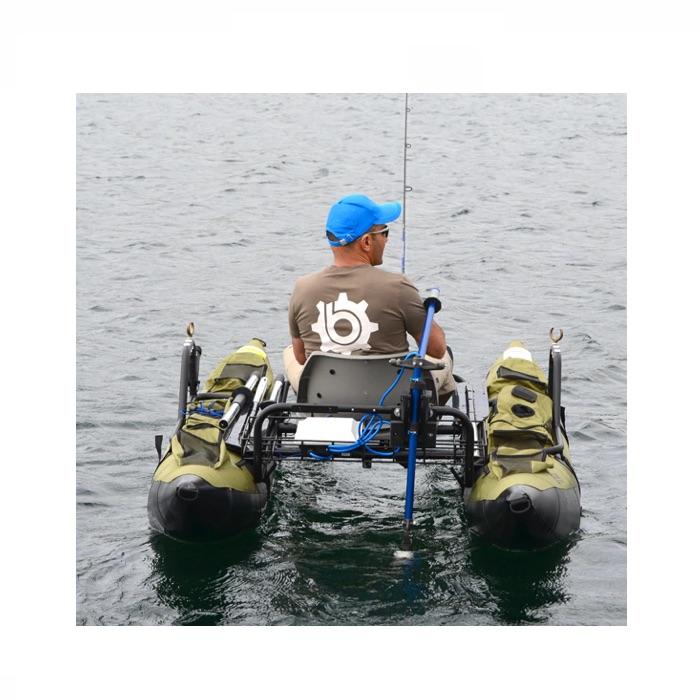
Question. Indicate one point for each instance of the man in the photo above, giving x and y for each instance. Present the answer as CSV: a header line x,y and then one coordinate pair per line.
x,y
354,307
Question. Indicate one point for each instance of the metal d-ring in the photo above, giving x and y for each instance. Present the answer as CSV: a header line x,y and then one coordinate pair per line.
x,y
190,329
558,338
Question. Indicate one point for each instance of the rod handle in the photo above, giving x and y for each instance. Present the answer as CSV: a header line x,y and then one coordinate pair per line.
x,y
433,298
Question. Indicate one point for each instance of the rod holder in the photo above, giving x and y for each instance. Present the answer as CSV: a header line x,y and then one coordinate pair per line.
x,y
243,395
276,389
260,391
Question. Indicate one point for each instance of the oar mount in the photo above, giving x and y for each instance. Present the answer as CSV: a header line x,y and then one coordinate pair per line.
x,y
555,338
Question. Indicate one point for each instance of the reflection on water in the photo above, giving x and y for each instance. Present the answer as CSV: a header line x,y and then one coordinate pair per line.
x,y
187,576
523,584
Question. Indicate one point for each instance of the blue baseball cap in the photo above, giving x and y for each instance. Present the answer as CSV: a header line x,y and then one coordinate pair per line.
x,y
355,214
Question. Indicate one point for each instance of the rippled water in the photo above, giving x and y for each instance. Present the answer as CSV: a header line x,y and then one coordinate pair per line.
x,y
207,207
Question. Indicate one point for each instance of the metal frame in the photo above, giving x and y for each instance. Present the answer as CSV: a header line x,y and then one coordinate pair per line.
x,y
266,444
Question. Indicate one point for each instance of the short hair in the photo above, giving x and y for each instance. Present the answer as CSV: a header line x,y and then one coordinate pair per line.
x,y
334,239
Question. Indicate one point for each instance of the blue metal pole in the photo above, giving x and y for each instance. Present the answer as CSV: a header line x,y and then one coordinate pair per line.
x,y
415,414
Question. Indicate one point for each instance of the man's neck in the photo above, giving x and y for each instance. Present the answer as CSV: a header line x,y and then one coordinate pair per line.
x,y
349,258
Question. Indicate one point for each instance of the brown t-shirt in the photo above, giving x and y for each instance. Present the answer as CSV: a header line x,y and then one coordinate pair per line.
x,y
355,310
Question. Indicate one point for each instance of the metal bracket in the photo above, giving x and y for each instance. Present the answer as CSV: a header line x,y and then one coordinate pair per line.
x,y
414,362
558,337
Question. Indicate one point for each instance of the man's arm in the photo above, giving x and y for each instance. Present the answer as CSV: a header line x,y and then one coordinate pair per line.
x,y
437,345
299,353
414,314
297,342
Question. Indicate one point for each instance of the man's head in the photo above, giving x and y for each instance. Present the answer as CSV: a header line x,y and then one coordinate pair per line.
x,y
356,228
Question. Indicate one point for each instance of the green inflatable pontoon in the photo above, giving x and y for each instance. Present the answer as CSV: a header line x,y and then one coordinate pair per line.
x,y
203,487
526,494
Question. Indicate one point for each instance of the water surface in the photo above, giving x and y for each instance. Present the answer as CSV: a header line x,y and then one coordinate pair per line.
x,y
207,207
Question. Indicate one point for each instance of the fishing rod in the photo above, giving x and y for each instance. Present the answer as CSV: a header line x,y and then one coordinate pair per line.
x,y
406,188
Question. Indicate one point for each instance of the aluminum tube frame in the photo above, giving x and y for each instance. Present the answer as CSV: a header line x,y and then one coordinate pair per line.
x,y
415,415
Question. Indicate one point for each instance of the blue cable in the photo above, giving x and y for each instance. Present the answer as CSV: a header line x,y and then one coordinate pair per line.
x,y
201,408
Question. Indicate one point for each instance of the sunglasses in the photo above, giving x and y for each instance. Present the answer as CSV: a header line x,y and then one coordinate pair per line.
x,y
382,232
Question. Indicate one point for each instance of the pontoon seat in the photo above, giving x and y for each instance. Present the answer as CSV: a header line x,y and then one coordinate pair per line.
x,y
354,380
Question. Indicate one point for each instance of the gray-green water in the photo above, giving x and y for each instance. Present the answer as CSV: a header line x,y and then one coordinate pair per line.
x,y
207,207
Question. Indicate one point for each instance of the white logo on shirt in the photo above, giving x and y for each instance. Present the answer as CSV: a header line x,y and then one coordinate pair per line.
x,y
342,309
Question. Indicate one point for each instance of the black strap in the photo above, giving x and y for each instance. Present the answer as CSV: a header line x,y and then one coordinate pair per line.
x,y
522,393
159,445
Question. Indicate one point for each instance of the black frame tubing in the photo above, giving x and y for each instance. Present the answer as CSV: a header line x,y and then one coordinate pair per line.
x,y
281,408
469,429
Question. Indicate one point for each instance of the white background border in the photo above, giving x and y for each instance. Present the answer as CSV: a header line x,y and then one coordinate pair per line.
x,y
56,50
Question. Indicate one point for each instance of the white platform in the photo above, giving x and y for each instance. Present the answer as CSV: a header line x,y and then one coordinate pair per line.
x,y
324,430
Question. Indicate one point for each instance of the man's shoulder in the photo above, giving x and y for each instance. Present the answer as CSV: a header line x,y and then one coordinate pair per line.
x,y
392,278
309,278
377,274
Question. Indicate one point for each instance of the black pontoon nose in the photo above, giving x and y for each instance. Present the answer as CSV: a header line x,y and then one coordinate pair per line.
x,y
189,508
522,517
